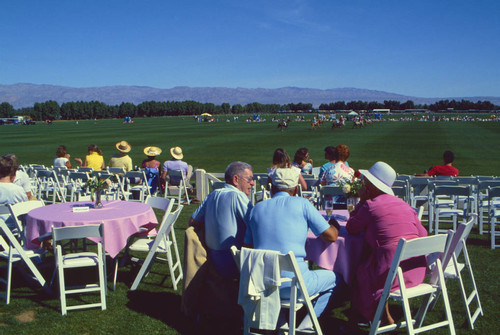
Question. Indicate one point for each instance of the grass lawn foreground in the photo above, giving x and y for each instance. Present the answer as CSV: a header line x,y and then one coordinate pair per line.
x,y
410,147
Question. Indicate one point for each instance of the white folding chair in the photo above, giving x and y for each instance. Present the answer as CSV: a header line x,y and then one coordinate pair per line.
x,y
48,186
328,191
482,200
418,190
80,260
136,182
452,268
494,214
160,244
449,206
299,296
13,253
76,180
162,204
172,191
18,212
423,246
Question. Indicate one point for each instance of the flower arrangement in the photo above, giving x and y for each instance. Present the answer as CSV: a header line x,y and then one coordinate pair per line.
x,y
350,187
95,184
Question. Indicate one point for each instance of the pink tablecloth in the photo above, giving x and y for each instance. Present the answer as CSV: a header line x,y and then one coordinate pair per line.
x,y
121,220
342,256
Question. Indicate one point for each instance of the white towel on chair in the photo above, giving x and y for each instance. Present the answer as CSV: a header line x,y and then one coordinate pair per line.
x,y
259,287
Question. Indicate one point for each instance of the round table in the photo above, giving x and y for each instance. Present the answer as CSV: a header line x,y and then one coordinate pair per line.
x,y
121,219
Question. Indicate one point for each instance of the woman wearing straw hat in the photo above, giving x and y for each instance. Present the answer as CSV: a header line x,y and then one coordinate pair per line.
x,y
152,167
122,159
384,219
176,163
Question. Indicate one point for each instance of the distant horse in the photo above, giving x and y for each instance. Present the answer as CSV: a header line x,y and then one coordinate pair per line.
x,y
283,125
337,124
316,124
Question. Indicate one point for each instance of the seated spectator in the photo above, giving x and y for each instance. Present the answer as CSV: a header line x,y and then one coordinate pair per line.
x,y
281,223
62,159
152,167
94,159
302,160
282,160
330,157
447,169
224,214
339,171
121,159
22,179
384,219
10,193
176,163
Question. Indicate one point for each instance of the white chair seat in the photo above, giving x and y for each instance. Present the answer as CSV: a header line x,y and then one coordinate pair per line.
x,y
450,272
80,259
144,245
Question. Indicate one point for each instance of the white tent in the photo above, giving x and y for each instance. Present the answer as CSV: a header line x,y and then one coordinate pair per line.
x,y
353,113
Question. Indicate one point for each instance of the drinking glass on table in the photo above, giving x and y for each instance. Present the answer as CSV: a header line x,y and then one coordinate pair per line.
x,y
329,207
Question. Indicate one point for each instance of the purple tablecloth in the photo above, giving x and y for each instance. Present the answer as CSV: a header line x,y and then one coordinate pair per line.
x,y
342,256
121,220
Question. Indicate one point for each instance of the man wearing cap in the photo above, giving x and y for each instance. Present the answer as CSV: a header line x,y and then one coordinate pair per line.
x,y
122,159
384,219
224,214
176,163
281,223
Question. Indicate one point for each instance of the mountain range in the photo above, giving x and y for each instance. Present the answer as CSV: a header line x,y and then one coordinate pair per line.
x,y
26,95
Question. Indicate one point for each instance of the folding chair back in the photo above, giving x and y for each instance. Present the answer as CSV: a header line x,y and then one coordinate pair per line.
x,y
13,252
298,294
448,206
423,246
494,213
177,190
18,212
161,244
452,268
79,260
328,191
482,199
85,169
48,186
76,180
136,181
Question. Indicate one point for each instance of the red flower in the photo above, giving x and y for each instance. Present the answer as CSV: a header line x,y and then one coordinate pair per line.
x,y
357,174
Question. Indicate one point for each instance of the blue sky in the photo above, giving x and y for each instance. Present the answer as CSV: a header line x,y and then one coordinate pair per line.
x,y
424,48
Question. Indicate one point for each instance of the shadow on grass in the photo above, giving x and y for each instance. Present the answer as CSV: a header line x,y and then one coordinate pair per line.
x,y
166,307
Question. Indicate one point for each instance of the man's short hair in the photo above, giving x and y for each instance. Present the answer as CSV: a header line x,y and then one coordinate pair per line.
x,y
235,168
448,157
8,165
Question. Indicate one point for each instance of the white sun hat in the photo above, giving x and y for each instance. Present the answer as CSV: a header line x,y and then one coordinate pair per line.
x,y
382,176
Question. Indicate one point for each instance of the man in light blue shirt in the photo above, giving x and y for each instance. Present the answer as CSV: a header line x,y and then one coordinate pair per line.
x,y
224,212
281,224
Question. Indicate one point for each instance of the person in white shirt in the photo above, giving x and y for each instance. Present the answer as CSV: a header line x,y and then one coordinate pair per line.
x,y
10,193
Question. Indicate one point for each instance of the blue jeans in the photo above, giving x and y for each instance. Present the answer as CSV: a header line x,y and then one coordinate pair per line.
x,y
322,282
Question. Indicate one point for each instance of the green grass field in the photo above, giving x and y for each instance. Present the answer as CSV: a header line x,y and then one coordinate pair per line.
x,y
410,147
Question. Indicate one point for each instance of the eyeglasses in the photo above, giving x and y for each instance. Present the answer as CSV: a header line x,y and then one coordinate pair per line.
x,y
248,179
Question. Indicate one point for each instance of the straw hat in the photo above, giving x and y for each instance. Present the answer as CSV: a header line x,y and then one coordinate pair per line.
x,y
123,146
382,176
285,177
176,152
152,151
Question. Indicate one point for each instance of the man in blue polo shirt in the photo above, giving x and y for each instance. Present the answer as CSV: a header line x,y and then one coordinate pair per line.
x,y
224,212
281,224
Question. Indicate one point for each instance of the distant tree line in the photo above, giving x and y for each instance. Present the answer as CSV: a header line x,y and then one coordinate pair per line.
x,y
51,110
441,105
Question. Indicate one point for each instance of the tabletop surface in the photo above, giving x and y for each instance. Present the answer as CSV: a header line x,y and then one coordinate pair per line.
x,y
115,209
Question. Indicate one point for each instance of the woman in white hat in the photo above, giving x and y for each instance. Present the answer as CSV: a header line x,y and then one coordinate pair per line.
x,y
152,167
176,163
122,159
384,219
